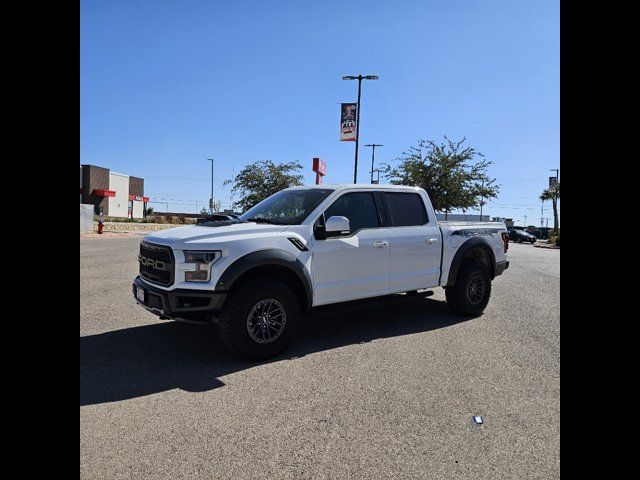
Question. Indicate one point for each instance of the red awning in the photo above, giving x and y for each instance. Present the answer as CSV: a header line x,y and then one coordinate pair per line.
x,y
104,193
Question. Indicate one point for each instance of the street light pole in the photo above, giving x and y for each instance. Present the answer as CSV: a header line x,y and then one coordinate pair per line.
x,y
211,204
359,78
373,155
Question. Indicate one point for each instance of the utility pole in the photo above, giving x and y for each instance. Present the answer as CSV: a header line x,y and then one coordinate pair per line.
x,y
555,201
359,78
541,215
373,155
525,221
211,198
481,200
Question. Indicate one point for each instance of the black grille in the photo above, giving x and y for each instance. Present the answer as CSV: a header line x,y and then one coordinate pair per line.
x,y
156,263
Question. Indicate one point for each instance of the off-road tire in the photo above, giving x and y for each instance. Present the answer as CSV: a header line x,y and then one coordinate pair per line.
x,y
459,296
233,317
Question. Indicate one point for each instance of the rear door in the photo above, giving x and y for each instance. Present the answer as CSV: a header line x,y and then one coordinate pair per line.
x,y
356,265
414,243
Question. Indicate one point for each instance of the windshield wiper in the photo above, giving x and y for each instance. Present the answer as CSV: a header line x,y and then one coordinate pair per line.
x,y
265,220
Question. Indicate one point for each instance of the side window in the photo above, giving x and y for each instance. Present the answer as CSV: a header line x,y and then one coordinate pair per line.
x,y
406,209
358,207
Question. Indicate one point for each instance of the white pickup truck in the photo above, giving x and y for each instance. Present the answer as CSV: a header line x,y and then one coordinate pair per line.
x,y
303,247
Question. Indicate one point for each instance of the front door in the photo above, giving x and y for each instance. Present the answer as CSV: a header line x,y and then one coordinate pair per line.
x,y
356,265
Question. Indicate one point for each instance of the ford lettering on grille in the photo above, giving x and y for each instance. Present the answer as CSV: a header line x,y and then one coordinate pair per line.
x,y
150,262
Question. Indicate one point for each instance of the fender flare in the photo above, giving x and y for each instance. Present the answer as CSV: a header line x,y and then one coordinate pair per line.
x,y
263,258
462,251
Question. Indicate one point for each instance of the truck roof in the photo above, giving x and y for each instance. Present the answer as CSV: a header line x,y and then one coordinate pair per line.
x,y
351,186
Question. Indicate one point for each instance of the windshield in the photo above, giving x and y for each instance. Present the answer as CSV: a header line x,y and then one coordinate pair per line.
x,y
287,207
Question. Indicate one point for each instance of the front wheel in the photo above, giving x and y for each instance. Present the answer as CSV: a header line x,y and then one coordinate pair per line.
x,y
470,295
259,319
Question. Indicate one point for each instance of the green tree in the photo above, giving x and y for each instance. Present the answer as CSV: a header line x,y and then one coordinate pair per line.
x,y
554,196
454,176
261,179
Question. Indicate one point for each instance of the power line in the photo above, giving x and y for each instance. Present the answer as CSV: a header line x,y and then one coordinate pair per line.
x,y
218,182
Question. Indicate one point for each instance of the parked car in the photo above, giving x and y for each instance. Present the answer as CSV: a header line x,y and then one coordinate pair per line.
x,y
519,236
305,247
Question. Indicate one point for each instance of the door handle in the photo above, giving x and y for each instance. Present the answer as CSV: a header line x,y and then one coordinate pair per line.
x,y
432,240
380,244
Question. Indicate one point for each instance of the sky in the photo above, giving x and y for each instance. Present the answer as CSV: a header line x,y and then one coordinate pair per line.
x,y
165,85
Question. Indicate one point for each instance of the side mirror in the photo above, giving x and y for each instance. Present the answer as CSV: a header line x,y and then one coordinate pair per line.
x,y
336,226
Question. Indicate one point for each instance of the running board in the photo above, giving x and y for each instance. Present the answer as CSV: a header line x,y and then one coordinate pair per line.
x,y
422,292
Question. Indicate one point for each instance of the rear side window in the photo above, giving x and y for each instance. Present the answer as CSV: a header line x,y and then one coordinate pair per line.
x,y
406,209
358,207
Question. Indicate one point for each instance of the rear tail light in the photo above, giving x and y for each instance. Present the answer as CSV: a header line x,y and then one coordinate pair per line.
x,y
505,240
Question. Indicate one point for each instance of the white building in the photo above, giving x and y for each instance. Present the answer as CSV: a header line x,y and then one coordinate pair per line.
x,y
112,194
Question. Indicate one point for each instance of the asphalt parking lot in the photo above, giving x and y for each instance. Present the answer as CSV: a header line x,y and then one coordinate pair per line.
x,y
378,391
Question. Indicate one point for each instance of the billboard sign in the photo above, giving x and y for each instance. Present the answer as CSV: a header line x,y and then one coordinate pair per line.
x,y
320,167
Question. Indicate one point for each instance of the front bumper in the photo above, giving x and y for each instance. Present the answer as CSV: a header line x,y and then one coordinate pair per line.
x,y
501,267
178,303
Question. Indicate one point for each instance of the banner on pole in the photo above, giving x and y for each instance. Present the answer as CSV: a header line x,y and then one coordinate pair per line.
x,y
348,122
553,181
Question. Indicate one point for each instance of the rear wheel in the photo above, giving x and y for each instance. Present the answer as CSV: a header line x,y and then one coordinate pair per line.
x,y
259,319
470,295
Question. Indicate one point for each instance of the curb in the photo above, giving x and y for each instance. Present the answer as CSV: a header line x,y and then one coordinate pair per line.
x,y
136,227
106,234
547,246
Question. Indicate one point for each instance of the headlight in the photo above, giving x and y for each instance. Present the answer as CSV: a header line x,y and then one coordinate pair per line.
x,y
203,262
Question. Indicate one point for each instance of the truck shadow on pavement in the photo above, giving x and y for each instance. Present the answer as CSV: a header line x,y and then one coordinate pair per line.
x,y
139,361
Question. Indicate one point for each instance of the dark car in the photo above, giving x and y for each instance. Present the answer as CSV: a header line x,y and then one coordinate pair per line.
x,y
520,236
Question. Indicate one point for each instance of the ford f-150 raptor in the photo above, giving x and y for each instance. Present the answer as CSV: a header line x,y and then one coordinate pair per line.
x,y
303,247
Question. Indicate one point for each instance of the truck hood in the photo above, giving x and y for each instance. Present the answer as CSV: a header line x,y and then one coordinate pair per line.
x,y
197,236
